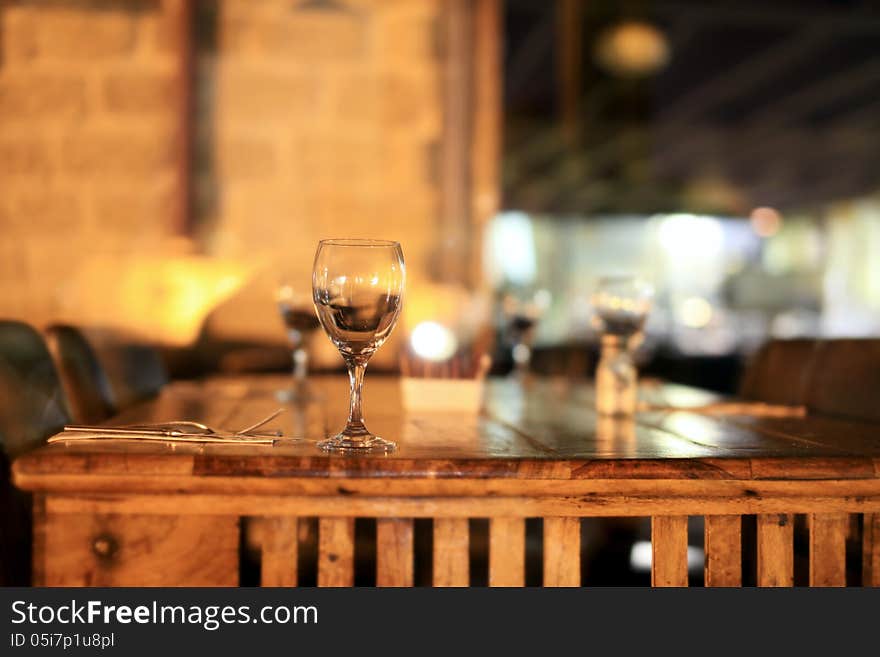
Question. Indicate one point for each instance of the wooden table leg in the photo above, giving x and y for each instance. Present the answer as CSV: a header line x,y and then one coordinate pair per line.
x,y
85,549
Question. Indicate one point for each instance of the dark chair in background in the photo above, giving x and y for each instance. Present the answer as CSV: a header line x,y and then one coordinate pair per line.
x,y
135,371
780,372
837,378
32,408
846,379
82,376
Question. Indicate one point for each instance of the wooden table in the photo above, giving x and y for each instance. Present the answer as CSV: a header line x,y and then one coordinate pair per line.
x,y
122,513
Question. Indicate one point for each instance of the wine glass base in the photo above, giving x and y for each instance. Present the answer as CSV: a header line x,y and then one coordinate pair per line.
x,y
341,442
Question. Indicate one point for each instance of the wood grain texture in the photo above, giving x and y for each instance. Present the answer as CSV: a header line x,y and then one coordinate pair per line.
x,y
336,552
451,558
278,566
775,549
828,549
138,550
562,552
535,452
669,551
554,437
723,536
38,546
394,552
409,505
871,550
507,551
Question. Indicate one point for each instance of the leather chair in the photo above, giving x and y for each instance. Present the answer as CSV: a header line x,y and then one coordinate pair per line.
x,y
32,408
846,379
780,372
83,378
135,371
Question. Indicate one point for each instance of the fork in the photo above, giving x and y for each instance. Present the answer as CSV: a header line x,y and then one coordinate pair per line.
x,y
171,429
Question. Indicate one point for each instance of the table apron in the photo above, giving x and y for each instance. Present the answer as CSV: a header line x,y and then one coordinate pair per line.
x,y
121,484
589,505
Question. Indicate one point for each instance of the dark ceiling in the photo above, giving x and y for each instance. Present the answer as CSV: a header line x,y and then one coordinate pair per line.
x,y
761,103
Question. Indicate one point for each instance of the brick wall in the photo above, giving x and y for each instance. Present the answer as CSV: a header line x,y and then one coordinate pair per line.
x,y
311,123
324,124
86,143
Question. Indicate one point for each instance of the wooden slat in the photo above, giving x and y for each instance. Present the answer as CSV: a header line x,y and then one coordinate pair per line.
x,y
669,551
723,551
394,552
279,551
507,552
138,550
775,549
828,549
336,552
562,551
871,550
451,559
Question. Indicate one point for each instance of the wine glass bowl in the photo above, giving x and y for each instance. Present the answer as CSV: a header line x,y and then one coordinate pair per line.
x,y
522,310
357,288
622,304
300,322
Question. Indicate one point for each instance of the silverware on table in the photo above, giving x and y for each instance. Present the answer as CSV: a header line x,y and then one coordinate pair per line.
x,y
177,431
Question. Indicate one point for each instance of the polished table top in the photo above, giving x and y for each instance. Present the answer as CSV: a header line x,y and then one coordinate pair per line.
x,y
543,429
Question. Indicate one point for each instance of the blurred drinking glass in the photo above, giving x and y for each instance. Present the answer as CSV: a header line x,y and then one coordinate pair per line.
x,y
621,305
300,322
522,310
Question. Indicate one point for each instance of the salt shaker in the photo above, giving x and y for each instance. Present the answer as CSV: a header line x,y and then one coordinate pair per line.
x,y
616,378
621,304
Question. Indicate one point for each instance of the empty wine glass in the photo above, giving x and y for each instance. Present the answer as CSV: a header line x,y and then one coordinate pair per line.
x,y
300,322
622,304
357,287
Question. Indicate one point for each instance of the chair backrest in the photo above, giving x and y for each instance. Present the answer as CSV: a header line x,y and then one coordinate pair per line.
x,y
32,408
846,379
32,404
135,371
82,376
780,372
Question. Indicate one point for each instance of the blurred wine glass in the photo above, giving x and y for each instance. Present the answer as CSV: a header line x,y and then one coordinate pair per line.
x,y
357,287
300,322
522,310
622,304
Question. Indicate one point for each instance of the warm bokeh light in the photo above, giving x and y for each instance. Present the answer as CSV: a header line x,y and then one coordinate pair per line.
x,y
632,49
160,299
695,312
766,221
433,341
690,235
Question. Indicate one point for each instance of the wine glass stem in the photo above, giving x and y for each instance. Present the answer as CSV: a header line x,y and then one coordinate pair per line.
x,y
356,369
300,364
